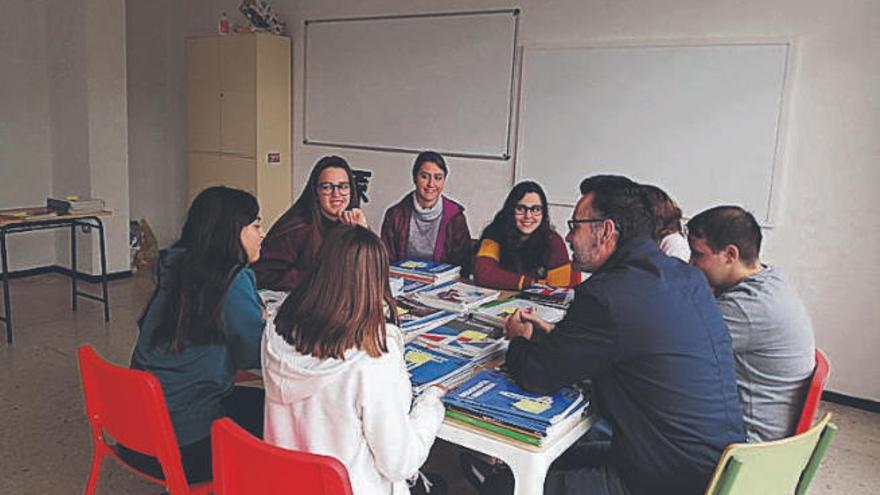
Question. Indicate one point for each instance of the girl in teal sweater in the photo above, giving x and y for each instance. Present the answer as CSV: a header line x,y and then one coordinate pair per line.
x,y
205,321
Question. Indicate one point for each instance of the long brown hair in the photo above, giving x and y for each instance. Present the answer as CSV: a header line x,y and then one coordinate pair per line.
x,y
306,211
667,214
529,255
199,277
339,304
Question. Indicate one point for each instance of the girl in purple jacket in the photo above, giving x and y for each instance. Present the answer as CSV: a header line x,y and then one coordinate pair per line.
x,y
425,224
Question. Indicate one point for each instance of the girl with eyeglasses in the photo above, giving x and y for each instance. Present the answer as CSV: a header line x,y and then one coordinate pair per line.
x,y
425,224
520,248
329,199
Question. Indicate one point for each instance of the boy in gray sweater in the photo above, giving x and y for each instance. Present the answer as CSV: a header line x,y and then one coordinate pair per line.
x,y
773,341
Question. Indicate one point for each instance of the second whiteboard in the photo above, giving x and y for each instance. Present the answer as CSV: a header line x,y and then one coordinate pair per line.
x,y
703,122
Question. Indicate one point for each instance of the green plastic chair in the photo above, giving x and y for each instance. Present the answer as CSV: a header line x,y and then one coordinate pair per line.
x,y
773,468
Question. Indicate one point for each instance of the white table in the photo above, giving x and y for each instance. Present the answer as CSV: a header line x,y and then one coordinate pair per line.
x,y
528,464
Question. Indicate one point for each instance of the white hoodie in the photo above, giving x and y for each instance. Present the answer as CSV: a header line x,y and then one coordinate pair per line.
x,y
355,409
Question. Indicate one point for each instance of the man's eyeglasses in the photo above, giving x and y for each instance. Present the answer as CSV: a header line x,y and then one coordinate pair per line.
x,y
522,209
327,188
572,224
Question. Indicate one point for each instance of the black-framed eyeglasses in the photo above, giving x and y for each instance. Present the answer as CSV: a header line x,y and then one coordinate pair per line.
x,y
522,209
327,188
572,224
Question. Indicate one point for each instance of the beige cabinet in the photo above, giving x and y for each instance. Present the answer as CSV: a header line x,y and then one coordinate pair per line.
x,y
238,117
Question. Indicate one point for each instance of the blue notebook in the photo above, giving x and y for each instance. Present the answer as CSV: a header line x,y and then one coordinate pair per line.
x,y
494,394
464,338
424,266
429,366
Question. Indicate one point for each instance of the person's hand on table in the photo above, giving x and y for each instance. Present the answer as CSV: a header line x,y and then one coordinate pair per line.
x,y
531,316
354,216
515,326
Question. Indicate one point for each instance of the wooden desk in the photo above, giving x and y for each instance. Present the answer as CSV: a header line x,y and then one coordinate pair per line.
x,y
30,219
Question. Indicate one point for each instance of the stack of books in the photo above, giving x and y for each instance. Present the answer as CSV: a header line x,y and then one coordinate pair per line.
x,y
456,296
465,337
429,272
548,296
428,367
494,313
490,401
415,318
402,286
74,205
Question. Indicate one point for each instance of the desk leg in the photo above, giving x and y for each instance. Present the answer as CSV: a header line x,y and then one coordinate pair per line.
x,y
529,473
73,266
103,269
7,305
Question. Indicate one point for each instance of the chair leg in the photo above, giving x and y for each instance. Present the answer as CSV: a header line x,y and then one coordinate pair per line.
x,y
94,472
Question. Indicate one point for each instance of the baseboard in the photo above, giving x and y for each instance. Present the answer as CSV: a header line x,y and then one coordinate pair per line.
x,y
848,400
85,277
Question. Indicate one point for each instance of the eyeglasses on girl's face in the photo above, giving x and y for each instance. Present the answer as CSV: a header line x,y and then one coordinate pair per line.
x,y
535,210
327,188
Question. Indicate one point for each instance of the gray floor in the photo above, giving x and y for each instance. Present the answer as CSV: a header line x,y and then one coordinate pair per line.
x,y
44,439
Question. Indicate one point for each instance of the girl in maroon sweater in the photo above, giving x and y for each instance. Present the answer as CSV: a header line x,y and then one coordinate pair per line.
x,y
520,248
425,224
290,247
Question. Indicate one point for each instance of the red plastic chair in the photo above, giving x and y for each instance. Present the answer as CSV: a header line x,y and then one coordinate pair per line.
x,y
244,465
128,405
814,393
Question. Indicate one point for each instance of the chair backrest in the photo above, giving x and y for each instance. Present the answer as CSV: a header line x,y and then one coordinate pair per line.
x,y
128,405
781,466
244,464
814,393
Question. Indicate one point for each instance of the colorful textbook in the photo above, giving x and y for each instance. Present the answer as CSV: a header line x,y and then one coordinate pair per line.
x,y
464,337
415,318
548,296
430,272
428,367
402,286
494,313
492,401
456,296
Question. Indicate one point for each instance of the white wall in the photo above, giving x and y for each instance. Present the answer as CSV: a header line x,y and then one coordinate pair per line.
x,y
25,145
64,121
88,116
827,233
156,102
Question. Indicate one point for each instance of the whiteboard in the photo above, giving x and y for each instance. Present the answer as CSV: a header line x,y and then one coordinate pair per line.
x,y
410,83
702,122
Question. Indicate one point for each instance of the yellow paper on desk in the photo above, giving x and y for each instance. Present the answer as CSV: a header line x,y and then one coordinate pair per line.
x,y
531,406
472,335
417,358
412,264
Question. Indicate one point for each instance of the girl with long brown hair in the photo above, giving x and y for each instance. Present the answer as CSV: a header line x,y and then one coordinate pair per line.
x,y
335,377
329,199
